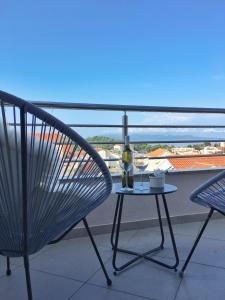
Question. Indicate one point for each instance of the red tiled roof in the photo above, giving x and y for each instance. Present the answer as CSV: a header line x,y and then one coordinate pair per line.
x,y
158,152
48,136
66,149
197,162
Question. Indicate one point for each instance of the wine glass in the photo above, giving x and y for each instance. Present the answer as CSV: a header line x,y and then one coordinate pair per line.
x,y
141,164
126,167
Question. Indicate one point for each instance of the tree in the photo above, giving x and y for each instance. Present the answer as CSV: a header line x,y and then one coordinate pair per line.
x,y
100,139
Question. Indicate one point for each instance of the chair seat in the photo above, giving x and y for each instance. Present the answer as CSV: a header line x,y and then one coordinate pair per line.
x,y
211,199
55,212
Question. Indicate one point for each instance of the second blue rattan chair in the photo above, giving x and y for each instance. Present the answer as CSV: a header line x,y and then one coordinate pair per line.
x,y
211,194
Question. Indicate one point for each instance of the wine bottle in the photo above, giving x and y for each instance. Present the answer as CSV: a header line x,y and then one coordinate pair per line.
x,y
127,159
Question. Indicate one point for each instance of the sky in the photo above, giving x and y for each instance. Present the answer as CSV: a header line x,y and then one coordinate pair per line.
x,y
145,52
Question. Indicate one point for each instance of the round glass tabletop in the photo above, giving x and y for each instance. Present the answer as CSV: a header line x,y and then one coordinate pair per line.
x,y
168,188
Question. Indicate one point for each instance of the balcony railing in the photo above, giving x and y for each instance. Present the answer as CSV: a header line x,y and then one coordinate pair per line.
x,y
125,125
143,214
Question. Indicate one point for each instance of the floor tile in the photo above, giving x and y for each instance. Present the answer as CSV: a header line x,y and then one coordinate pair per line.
x,y
44,286
70,269
208,251
215,229
18,261
104,239
202,283
144,239
143,279
72,258
99,293
184,228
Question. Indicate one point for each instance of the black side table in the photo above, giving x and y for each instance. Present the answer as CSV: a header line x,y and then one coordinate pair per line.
x,y
168,188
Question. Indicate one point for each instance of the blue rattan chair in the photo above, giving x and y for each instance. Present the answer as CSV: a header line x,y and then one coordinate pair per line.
x,y
50,180
211,195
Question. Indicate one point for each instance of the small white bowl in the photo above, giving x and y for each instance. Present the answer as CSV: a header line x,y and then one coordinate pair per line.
x,y
157,182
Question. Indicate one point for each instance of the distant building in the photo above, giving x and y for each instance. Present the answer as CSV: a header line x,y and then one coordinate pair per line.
x,y
222,145
184,151
158,163
210,150
112,165
118,148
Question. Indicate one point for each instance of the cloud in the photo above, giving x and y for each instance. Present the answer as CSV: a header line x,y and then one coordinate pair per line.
x,y
213,130
157,130
218,77
144,118
168,119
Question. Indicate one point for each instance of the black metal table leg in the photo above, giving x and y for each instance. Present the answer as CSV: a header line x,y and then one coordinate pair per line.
x,y
171,232
174,266
114,222
116,232
160,221
117,219
120,208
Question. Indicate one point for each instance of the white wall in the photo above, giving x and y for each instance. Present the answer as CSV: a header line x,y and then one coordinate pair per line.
x,y
143,208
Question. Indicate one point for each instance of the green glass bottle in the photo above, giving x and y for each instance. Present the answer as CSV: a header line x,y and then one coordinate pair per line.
x,y
127,159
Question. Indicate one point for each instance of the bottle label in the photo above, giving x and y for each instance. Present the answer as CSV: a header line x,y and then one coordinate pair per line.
x,y
127,158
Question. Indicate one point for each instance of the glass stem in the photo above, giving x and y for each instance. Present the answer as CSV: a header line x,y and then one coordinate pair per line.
x,y
126,178
141,181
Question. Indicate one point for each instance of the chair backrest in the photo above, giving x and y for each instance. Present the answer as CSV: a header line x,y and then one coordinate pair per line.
x,y
50,177
211,193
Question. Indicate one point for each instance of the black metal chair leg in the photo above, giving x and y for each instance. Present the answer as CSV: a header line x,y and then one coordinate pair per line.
x,y
171,232
196,242
8,270
109,281
28,281
160,221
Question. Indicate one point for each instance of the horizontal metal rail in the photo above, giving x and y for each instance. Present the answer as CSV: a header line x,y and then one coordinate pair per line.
x,y
131,126
183,156
144,126
160,142
126,108
150,157
176,126
157,142
78,125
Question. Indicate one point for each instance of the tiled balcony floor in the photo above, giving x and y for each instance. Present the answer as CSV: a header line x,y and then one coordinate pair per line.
x,y
70,270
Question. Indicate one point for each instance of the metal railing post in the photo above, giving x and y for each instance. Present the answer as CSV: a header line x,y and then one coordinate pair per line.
x,y
125,126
